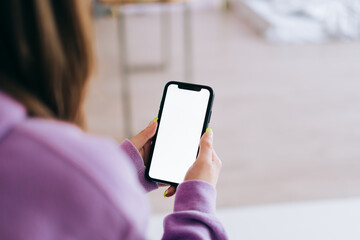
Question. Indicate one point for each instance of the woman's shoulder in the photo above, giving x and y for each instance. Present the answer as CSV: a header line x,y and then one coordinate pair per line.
x,y
97,159
64,138
63,173
63,141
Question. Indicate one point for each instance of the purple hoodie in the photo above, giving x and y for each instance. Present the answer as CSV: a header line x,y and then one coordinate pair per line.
x,y
57,182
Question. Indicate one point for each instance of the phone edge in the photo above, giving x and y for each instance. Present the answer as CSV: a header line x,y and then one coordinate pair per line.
x,y
205,125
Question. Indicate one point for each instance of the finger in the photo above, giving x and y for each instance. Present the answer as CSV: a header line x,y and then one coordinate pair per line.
x,y
216,159
215,156
141,151
206,144
146,151
145,135
170,191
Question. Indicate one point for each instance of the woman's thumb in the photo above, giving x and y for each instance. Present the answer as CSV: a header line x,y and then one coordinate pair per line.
x,y
206,142
145,135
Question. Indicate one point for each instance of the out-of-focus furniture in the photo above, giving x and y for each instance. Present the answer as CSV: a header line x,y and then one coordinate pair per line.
x,y
117,8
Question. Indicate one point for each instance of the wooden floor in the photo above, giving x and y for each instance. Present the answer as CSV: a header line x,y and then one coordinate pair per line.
x,y
286,118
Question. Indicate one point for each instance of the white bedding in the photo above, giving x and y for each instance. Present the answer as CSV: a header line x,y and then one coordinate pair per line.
x,y
309,20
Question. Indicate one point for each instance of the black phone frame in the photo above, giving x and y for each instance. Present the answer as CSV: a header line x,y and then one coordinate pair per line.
x,y
181,85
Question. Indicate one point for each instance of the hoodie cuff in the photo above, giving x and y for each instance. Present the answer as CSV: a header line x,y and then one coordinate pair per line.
x,y
195,195
138,162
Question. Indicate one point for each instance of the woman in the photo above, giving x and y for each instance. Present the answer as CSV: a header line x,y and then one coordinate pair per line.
x,y
57,182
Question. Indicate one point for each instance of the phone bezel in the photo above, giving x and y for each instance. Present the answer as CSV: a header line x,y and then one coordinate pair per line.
x,y
182,85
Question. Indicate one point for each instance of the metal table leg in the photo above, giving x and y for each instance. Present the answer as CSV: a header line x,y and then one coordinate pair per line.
x,y
165,57
188,48
165,39
124,75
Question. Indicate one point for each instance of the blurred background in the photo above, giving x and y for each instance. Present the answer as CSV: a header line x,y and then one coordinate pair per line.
x,y
286,116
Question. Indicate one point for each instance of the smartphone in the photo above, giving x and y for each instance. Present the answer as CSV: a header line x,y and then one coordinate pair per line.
x,y
184,114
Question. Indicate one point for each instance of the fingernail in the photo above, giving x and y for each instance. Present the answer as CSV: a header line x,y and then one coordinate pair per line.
x,y
165,193
209,130
153,121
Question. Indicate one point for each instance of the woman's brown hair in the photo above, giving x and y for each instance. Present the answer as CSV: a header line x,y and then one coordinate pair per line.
x,y
46,56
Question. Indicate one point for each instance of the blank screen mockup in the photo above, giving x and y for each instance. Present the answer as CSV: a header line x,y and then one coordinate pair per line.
x,y
179,133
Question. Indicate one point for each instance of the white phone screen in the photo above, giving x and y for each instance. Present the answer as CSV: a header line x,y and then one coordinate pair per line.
x,y
179,133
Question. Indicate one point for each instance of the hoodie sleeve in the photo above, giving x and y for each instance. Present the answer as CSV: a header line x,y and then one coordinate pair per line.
x,y
194,213
129,149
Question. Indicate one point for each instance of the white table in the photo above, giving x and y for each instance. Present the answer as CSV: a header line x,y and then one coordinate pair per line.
x,y
337,219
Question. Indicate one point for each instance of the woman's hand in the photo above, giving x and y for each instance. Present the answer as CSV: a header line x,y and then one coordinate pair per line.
x,y
142,141
207,165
